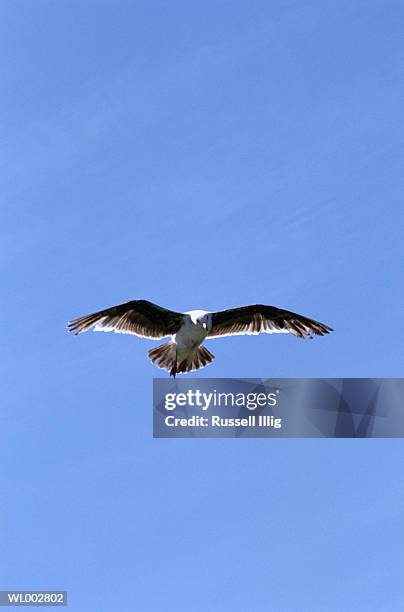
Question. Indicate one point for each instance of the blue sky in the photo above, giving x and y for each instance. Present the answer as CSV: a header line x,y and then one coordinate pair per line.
x,y
200,155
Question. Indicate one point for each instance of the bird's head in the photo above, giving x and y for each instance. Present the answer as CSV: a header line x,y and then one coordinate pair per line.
x,y
206,321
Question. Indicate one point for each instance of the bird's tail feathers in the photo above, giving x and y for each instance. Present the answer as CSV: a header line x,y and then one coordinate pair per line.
x,y
165,357
200,358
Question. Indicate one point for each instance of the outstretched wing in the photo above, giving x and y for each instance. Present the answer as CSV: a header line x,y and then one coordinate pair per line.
x,y
259,318
138,317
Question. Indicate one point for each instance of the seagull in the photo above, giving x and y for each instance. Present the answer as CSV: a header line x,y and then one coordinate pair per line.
x,y
187,330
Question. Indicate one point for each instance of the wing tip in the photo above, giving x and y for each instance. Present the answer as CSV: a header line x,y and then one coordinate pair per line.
x,y
322,330
72,328
76,326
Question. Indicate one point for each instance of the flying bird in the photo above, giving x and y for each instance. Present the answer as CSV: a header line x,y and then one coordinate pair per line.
x,y
184,351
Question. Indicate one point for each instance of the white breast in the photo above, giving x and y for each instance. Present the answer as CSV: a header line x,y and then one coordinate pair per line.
x,y
190,335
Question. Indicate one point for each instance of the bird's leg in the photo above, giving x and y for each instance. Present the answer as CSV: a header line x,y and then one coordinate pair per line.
x,y
174,368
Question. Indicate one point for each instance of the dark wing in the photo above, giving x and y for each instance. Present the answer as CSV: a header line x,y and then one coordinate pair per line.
x,y
258,319
138,317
